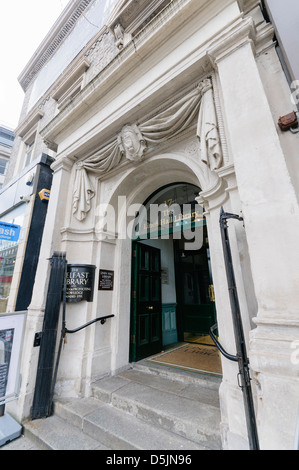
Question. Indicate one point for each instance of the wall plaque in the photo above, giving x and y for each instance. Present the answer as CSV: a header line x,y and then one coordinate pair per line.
x,y
106,280
80,282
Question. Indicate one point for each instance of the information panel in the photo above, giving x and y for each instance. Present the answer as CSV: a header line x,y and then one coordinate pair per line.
x,y
80,283
11,341
106,280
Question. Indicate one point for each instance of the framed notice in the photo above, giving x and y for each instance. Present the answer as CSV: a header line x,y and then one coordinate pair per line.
x,y
106,280
11,341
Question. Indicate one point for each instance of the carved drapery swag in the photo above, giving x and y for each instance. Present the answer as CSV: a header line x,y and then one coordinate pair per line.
x,y
131,143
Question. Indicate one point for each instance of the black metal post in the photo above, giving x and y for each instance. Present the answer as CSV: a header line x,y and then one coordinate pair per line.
x,y
243,360
42,403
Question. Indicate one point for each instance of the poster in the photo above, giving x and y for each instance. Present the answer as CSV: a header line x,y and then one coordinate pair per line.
x,y
11,341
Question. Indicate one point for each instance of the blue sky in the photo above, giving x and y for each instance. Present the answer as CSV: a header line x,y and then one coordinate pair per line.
x,y
23,26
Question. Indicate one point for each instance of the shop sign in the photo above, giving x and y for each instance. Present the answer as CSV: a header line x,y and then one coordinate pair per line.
x,y
80,282
106,280
44,195
11,340
9,232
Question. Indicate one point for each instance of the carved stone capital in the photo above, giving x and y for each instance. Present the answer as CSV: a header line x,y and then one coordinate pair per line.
x,y
63,163
51,145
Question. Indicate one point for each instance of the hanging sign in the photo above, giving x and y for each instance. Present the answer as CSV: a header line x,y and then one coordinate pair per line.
x,y
9,232
11,340
80,282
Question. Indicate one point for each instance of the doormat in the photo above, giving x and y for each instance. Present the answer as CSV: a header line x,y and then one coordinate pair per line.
x,y
194,357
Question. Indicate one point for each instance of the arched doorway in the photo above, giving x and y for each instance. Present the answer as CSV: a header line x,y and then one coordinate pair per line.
x,y
172,300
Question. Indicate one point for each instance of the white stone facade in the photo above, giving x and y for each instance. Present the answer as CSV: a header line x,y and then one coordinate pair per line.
x,y
129,81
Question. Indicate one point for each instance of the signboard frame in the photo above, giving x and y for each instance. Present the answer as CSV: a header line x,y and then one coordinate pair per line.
x,y
16,322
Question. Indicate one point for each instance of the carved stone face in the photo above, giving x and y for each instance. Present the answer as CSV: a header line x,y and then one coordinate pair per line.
x,y
132,142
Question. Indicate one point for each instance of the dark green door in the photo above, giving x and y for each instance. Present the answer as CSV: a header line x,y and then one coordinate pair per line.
x,y
195,293
146,324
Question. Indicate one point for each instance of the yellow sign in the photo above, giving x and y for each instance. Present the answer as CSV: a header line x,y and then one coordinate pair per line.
x,y
44,194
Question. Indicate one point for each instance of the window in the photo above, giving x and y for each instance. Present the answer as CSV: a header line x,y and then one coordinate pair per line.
x,y
28,153
6,138
3,165
70,85
28,132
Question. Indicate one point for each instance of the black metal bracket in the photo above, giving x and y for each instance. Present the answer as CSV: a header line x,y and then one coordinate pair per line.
x,y
220,348
37,339
228,215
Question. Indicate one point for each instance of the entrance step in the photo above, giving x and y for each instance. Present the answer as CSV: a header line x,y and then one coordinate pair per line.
x,y
186,408
144,408
55,433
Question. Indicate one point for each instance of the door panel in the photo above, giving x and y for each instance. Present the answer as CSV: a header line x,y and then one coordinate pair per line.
x,y
196,306
146,332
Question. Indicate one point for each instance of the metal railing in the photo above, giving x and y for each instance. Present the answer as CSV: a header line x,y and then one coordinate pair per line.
x,y
241,357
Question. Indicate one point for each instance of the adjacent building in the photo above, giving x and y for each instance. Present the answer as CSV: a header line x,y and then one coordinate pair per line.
x,y
6,143
170,104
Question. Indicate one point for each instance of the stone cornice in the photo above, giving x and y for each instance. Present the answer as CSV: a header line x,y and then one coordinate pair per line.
x,y
60,30
241,32
236,35
30,121
145,40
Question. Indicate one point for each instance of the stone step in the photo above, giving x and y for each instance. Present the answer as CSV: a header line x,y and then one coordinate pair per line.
x,y
211,381
55,433
117,429
144,408
189,410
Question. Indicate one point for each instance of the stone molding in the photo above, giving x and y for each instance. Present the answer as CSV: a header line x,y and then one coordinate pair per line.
x,y
109,75
31,120
134,140
52,42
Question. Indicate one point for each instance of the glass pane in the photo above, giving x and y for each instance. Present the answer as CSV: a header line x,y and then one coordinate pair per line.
x,y
8,255
3,164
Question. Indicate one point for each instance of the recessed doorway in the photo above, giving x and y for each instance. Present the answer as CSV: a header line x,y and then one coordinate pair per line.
x,y
172,298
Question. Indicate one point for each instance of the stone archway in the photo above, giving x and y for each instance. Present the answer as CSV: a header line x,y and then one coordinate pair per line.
x,y
136,186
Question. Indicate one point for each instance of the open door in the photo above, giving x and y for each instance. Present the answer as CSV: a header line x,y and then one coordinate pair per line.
x,y
196,304
146,324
